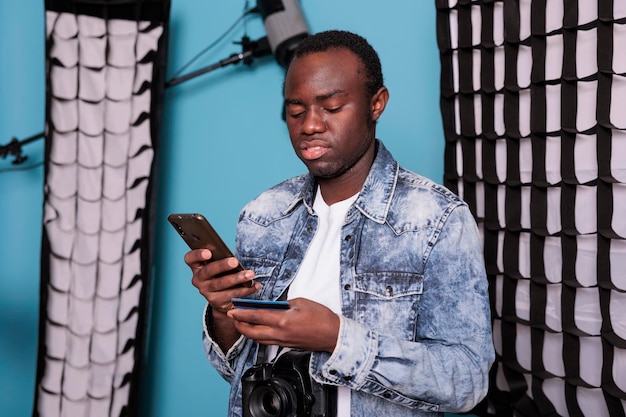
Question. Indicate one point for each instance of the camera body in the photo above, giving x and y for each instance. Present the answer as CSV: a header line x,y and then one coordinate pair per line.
x,y
284,388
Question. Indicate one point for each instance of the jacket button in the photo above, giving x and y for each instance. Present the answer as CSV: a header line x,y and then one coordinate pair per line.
x,y
347,378
332,372
347,238
387,395
309,229
346,287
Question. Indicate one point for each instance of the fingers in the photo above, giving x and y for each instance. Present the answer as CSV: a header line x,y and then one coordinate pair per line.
x,y
215,283
196,258
203,269
222,308
305,325
263,326
266,317
220,300
220,291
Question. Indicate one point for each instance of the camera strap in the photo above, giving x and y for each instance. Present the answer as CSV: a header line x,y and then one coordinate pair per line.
x,y
261,354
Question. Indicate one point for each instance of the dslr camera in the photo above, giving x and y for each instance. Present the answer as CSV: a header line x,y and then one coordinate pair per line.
x,y
284,388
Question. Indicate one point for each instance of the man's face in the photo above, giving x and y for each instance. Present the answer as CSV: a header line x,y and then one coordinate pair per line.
x,y
330,118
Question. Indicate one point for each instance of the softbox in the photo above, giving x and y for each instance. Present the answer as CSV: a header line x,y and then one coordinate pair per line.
x,y
533,103
105,63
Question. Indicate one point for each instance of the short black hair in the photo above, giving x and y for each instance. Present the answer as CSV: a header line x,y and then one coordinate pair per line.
x,y
336,39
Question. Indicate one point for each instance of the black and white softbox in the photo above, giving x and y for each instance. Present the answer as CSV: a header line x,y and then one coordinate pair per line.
x,y
105,80
533,98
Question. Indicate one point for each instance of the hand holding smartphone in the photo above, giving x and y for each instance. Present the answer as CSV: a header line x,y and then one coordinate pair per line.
x,y
198,233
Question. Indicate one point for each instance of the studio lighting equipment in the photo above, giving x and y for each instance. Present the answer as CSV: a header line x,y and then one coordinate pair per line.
x,y
284,25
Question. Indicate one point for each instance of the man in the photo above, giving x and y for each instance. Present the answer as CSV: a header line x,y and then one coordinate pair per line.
x,y
382,268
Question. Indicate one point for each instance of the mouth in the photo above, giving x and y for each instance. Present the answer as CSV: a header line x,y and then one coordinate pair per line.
x,y
311,152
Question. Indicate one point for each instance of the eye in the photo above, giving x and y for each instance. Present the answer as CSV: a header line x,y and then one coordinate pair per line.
x,y
333,109
295,110
295,115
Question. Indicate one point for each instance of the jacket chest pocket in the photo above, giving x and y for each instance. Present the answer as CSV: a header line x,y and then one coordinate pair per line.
x,y
389,301
263,270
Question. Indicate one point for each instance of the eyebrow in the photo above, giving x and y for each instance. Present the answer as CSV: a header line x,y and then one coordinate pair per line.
x,y
319,98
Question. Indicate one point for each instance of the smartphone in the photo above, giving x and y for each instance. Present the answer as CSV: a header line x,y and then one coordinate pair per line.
x,y
250,304
198,233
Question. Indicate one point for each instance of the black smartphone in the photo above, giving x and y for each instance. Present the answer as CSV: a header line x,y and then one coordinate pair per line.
x,y
198,233
250,304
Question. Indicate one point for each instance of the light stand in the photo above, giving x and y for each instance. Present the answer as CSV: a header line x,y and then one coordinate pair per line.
x,y
250,50
14,148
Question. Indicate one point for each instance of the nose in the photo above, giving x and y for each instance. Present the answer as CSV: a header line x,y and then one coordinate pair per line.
x,y
313,122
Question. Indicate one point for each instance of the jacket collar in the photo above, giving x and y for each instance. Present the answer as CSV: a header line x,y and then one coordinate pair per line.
x,y
376,194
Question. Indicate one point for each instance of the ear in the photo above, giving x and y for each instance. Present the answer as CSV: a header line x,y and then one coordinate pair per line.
x,y
379,102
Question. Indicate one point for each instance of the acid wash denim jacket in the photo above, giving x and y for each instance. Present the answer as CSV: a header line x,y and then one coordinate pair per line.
x,y
415,334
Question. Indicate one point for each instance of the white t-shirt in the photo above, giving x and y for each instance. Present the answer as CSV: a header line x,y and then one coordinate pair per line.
x,y
318,276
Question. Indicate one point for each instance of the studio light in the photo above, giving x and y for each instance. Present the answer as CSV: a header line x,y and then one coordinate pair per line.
x,y
285,27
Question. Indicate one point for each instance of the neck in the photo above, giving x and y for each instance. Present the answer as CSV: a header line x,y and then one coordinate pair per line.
x,y
350,183
334,191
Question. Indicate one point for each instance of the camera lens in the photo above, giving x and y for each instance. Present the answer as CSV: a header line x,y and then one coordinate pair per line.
x,y
271,403
274,399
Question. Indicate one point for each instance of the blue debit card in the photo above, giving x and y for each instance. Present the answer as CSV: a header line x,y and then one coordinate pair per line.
x,y
249,304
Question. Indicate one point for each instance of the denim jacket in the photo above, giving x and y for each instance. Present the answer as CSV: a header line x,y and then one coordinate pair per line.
x,y
415,334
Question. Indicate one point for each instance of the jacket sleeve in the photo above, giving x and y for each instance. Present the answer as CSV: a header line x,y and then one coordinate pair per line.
x,y
446,367
224,363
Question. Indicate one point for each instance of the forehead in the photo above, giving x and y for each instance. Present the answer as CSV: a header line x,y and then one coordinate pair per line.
x,y
330,69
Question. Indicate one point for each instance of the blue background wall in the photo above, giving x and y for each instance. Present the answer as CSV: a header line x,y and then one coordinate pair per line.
x,y
223,143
